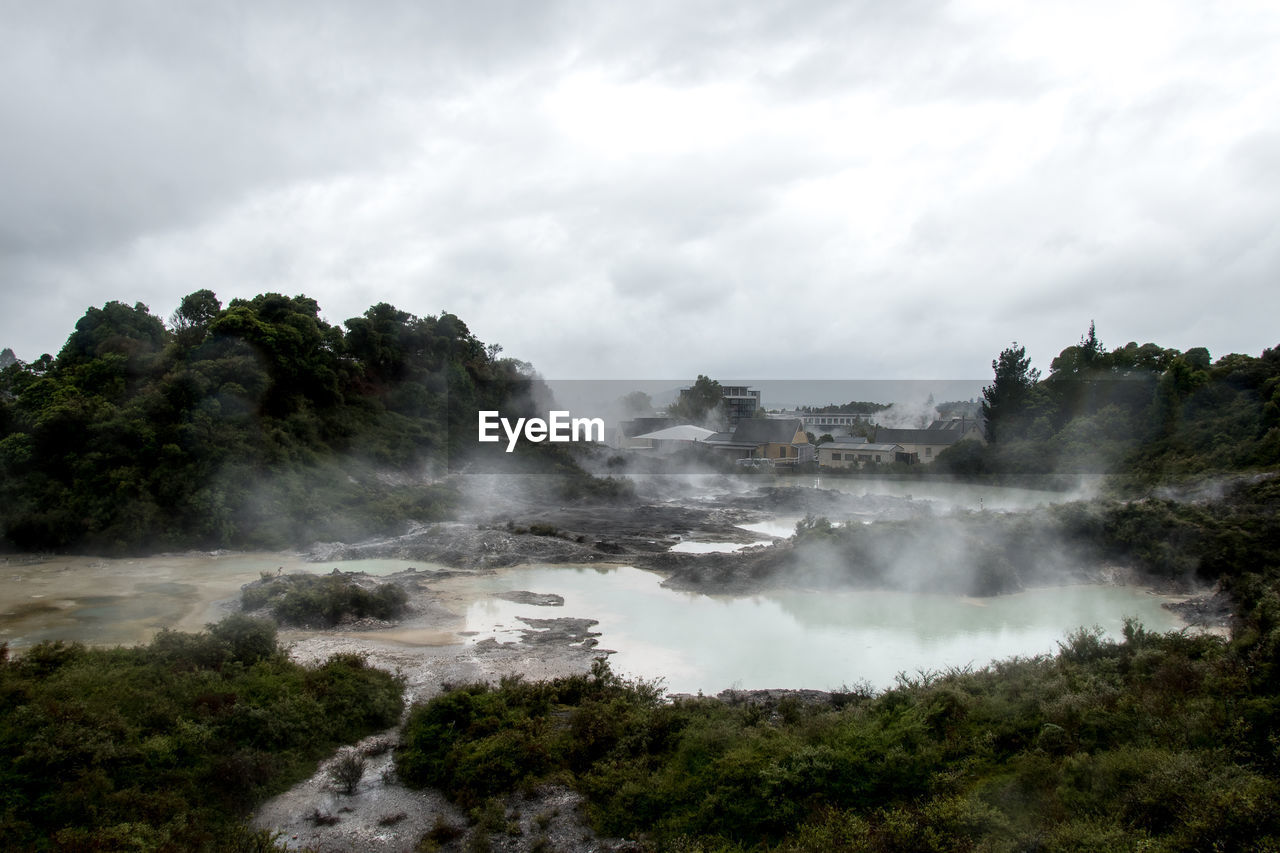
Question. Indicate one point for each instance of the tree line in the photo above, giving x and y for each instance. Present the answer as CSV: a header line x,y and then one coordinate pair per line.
x,y
256,423
1147,413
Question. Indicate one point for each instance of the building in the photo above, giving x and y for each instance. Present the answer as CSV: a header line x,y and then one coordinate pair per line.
x,y
856,453
833,424
737,402
671,439
924,445
626,432
780,440
740,403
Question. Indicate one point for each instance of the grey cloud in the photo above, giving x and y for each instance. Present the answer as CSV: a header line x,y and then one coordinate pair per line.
x,y
407,153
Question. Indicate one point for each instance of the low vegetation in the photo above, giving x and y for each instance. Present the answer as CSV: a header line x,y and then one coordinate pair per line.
x,y
322,601
1157,742
168,746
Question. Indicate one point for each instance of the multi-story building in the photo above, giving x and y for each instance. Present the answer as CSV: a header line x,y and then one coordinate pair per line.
x,y
740,403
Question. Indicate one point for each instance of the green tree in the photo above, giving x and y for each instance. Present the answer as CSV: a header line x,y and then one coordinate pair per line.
x,y
386,340
1006,402
190,322
700,403
132,333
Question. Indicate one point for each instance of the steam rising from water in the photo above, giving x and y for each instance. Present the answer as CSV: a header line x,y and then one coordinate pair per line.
x,y
793,638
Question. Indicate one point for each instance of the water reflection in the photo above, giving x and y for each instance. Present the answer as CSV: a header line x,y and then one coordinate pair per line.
x,y
803,639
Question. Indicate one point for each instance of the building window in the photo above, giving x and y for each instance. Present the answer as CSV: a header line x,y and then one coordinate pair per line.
x,y
877,457
835,457
928,451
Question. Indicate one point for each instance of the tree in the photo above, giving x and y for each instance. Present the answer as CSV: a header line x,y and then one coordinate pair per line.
x,y
1081,361
191,320
1006,402
115,328
698,403
637,404
383,340
1092,348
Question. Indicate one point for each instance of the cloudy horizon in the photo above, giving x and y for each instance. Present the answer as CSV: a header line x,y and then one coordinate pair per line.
x,y
818,189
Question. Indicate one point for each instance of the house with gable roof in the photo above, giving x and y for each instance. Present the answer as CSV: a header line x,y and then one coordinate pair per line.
x,y
855,453
924,445
781,440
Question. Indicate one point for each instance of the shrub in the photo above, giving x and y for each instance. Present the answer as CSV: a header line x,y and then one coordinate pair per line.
x,y
323,601
167,746
346,771
1048,753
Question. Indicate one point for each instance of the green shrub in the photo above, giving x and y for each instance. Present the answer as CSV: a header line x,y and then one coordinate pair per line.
x,y
1060,753
323,601
167,746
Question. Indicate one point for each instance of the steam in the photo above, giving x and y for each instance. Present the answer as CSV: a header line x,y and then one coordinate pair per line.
x,y
958,552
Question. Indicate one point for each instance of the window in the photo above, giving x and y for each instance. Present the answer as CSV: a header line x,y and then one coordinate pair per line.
x,y
877,457
835,457
928,451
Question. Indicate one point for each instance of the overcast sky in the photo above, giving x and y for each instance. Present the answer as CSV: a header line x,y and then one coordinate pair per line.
x,y
660,189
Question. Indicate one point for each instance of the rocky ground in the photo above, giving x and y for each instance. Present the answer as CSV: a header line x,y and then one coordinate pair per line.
x,y
633,534
1211,611
571,534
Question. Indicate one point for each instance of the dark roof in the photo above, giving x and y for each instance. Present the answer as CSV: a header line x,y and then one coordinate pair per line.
x,y
724,441
918,436
962,424
849,441
767,430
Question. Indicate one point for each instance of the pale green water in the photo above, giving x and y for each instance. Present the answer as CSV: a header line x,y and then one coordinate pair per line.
x,y
803,639
695,642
